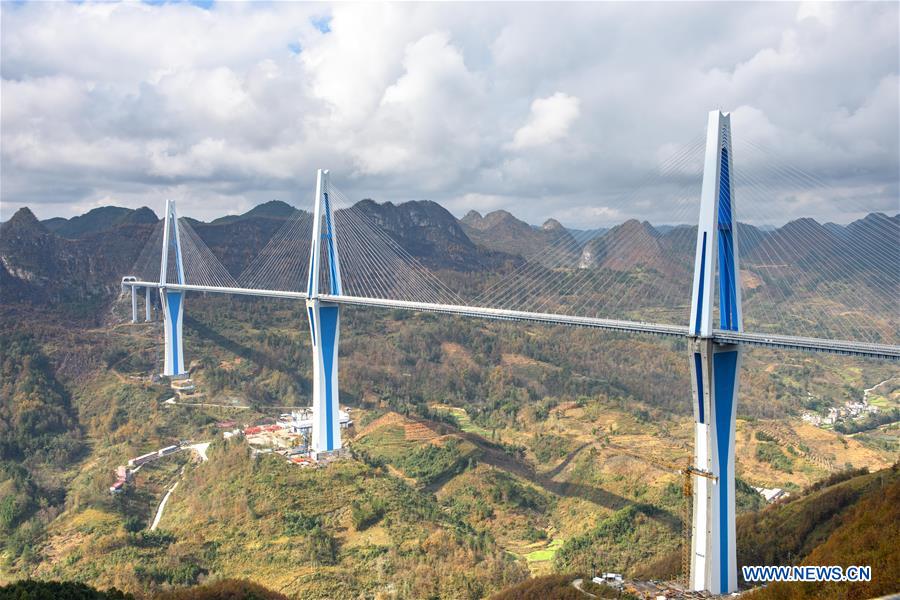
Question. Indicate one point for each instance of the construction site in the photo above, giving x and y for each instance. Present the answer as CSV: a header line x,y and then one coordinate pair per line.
x,y
289,435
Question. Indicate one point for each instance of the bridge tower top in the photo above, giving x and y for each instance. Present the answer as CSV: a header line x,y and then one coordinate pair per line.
x,y
171,239
323,217
717,239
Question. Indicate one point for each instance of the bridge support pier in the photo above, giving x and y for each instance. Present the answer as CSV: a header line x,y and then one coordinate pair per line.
x,y
133,305
147,305
173,313
714,379
324,329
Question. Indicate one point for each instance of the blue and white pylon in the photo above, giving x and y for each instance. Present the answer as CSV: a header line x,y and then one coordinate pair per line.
x,y
324,323
714,368
172,300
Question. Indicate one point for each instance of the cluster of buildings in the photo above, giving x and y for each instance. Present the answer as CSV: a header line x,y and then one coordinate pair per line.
x,y
124,474
288,436
850,411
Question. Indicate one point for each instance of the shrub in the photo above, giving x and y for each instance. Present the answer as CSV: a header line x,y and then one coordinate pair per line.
x,y
548,447
772,454
30,589
296,523
152,539
321,547
133,524
762,436
367,513
431,462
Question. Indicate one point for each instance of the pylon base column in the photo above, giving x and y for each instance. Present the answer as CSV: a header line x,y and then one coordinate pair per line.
x,y
173,314
714,377
324,325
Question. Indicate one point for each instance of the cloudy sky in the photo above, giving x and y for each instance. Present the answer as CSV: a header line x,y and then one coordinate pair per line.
x,y
563,110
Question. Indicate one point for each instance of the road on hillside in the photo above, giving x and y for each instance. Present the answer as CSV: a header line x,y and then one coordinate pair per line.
x,y
162,506
200,449
577,585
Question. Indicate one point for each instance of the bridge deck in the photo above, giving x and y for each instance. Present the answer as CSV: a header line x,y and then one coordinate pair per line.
x,y
787,342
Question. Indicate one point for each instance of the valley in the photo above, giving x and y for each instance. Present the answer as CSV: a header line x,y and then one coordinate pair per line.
x,y
482,453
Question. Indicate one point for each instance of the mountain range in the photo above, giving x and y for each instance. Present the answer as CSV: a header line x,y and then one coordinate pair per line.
x,y
77,262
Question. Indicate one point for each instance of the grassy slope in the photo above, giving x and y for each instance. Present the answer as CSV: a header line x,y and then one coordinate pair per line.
x,y
856,522
786,532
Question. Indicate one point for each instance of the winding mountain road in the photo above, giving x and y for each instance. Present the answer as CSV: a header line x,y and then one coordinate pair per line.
x,y
162,507
200,449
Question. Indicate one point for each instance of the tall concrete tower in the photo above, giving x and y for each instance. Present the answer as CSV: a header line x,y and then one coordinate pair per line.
x,y
715,367
324,323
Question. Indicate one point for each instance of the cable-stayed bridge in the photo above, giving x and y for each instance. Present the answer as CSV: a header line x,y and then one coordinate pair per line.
x,y
340,254
809,344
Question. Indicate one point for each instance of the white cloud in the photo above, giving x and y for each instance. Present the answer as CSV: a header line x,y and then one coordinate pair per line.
x,y
130,103
821,11
430,104
549,121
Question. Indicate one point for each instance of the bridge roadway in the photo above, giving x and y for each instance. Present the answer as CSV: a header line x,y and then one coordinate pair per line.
x,y
787,342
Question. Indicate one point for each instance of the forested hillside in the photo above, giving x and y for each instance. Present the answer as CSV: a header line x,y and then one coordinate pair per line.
x,y
847,523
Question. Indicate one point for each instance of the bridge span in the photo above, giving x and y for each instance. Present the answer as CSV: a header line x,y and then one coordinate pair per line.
x,y
720,336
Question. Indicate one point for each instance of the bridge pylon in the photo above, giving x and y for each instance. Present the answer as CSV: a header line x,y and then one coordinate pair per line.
x,y
715,368
324,322
172,300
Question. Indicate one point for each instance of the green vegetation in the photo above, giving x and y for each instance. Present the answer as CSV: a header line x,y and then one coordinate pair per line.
x,y
852,522
549,447
296,523
39,433
30,589
762,436
366,513
785,534
621,541
431,462
869,422
37,420
506,489
230,589
746,498
835,478
321,547
462,420
284,515
548,553
772,454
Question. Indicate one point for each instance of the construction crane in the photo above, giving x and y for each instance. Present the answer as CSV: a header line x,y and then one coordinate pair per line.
x,y
688,472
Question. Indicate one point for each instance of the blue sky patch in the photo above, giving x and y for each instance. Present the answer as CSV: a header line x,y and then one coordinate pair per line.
x,y
323,24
